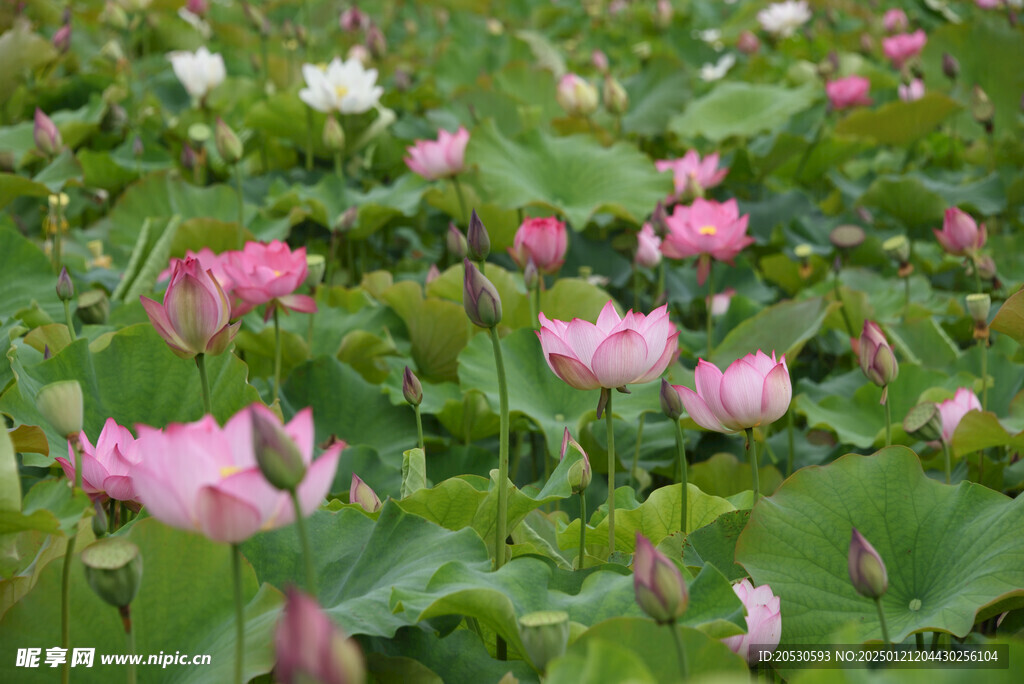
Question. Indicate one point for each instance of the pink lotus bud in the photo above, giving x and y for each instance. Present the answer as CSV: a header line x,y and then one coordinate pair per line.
x,y
361,493
62,38
720,302
46,135
433,273
456,241
648,248
310,648
197,7
412,390
599,60
480,298
65,288
747,43
663,14
844,93
911,91
867,570
277,455
671,404
353,19
764,621
895,20
950,66
960,235
580,473
375,41
478,242
660,589
904,46
876,356
193,318
576,96
442,158
542,239
531,276
754,390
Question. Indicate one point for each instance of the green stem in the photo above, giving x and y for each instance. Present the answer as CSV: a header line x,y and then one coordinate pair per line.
x,y
610,432
636,453
277,352
462,200
70,323
58,241
919,640
241,206
534,304
636,288
711,296
419,428
683,479
807,152
501,526
337,165
659,290
680,652
583,527
947,458
977,276
789,434
205,382
881,620
842,305
906,298
129,640
888,419
984,370
752,455
65,603
236,568
307,554
309,139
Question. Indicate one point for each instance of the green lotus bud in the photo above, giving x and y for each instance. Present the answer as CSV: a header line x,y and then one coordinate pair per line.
x,y
982,108
924,422
93,307
412,390
229,146
544,634
671,403
316,264
277,455
531,276
950,66
616,101
867,570
480,298
113,568
456,241
478,242
99,521
65,288
60,403
333,135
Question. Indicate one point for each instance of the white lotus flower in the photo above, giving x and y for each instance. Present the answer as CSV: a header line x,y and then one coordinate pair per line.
x,y
199,72
344,87
782,19
713,72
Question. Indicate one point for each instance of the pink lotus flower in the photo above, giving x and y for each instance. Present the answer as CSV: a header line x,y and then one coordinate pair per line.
x,y
988,4
361,493
648,247
903,46
197,7
612,353
691,176
844,93
194,316
107,467
764,621
706,228
46,134
208,261
754,390
199,476
960,235
439,158
268,274
542,239
310,648
911,91
895,20
720,301
953,410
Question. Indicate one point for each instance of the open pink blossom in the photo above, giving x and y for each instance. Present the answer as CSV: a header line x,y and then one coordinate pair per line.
x,y
439,158
960,234
851,91
648,247
953,410
692,175
199,476
612,353
764,621
193,318
904,46
895,20
542,239
265,274
707,229
208,261
107,467
754,390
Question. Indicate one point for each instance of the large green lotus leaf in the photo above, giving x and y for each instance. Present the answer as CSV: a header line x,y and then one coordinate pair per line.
x,y
956,550
360,562
48,507
655,518
10,487
515,307
28,276
898,122
917,200
348,407
715,544
978,430
923,341
13,186
784,327
725,475
438,329
742,109
177,566
1009,318
655,646
601,662
452,504
342,312
22,51
530,583
659,91
130,376
574,176
60,172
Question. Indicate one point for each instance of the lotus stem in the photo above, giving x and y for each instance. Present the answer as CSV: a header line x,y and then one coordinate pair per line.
x,y
610,431
419,428
129,640
752,455
462,200
307,554
680,652
65,598
906,298
919,640
70,322
681,452
277,353
337,165
205,381
583,527
881,621
947,458
502,518
789,435
711,297
636,452
309,139
241,206
535,309
236,568
983,342
888,416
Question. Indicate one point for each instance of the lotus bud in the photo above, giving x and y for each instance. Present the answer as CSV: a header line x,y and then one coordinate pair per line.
x,y
310,648
663,14
412,390
544,634
277,455
576,95
978,306
867,571
599,60
950,66
333,135
982,108
480,298
660,589
62,38
748,43
616,101
197,7
316,265
924,422
93,307
456,241
138,149
46,134
114,16
352,20
876,356
61,405
986,266
347,220
433,273
659,221
580,472
361,493
65,288
531,276
99,519
375,41
113,568
228,144
671,403
478,242
188,157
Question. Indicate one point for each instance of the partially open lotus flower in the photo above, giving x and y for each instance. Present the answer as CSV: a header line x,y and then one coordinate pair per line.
x,y
904,46
199,72
106,467
960,234
764,621
848,92
439,158
268,274
542,239
692,175
754,390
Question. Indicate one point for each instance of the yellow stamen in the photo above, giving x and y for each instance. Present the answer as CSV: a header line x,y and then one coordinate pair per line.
x,y
708,230
228,471
340,91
